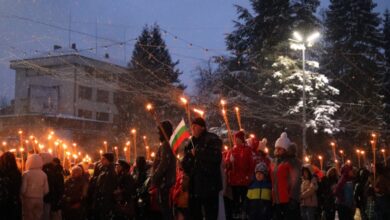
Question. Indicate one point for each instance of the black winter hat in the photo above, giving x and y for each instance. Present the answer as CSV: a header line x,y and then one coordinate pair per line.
x,y
167,126
199,121
123,164
109,157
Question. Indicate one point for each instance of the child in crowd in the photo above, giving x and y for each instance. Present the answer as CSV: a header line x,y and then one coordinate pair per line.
x,y
259,201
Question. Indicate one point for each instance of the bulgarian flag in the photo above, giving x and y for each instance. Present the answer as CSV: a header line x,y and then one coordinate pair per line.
x,y
179,135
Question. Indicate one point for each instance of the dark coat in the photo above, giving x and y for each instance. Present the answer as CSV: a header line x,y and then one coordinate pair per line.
x,y
164,167
73,200
10,204
204,168
106,183
55,179
125,197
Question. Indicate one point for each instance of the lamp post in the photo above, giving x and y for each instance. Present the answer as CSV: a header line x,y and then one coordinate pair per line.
x,y
300,43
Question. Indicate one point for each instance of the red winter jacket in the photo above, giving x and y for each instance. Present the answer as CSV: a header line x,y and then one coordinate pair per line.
x,y
239,165
280,176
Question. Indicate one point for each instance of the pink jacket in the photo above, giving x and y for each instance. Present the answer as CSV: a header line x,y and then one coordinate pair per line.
x,y
34,180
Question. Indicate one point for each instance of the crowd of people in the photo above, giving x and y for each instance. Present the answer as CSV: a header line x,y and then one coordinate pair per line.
x,y
207,183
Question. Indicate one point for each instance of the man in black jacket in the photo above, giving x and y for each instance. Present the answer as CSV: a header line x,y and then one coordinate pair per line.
x,y
202,163
164,170
106,183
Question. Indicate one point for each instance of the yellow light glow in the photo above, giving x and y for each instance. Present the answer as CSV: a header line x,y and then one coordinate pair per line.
x,y
153,154
21,149
50,150
149,107
341,152
252,136
4,143
320,157
198,111
13,150
20,132
183,100
307,159
362,152
332,144
223,102
133,131
125,149
64,146
74,144
382,150
144,137
128,143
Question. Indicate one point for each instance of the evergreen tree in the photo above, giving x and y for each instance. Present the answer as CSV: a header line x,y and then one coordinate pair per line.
x,y
153,77
352,49
386,84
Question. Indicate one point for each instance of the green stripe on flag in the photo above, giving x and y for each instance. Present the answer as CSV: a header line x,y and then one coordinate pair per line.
x,y
178,134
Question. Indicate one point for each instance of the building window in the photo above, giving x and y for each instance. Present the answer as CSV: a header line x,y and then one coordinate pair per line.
x,y
102,96
85,92
84,113
102,116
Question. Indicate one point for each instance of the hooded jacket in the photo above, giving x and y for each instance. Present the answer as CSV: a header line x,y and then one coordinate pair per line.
x,y
240,165
34,180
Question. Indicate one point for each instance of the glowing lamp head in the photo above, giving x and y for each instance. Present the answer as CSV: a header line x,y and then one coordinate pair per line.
x,y
153,154
125,149
64,146
358,151
21,149
133,131
49,137
226,147
320,157
31,137
147,147
105,142
297,36
50,150
101,151
252,136
348,161
115,148
144,137
236,109
223,102
373,135
52,133
74,144
362,152
383,150
341,152
4,143
332,144
128,143
41,146
313,37
20,132
372,142
307,159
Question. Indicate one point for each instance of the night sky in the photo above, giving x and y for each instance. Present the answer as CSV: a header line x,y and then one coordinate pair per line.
x,y
202,23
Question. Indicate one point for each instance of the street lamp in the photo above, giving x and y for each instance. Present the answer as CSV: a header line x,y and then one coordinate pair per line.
x,y
301,43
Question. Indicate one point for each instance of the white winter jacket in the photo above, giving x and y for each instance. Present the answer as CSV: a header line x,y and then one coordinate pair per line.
x,y
34,180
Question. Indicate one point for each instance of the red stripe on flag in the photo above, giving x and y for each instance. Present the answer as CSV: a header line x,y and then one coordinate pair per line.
x,y
180,140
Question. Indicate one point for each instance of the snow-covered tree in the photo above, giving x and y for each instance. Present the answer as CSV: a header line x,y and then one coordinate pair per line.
x,y
320,109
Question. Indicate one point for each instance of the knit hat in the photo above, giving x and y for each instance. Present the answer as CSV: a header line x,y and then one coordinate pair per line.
x,y
263,144
261,167
283,141
109,157
240,135
125,166
199,121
